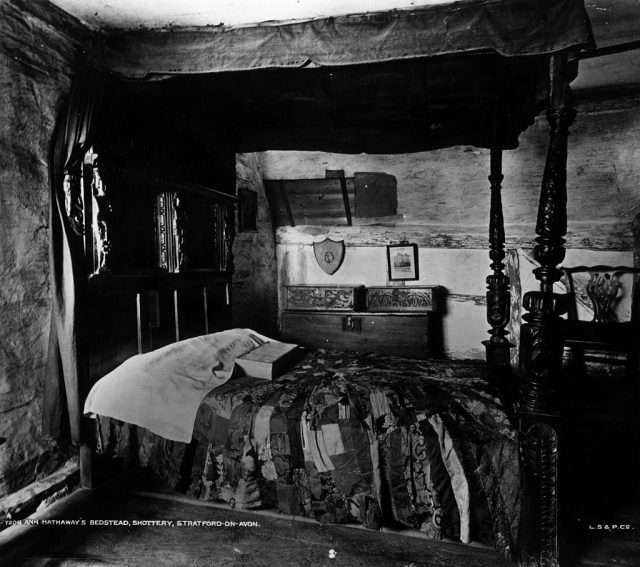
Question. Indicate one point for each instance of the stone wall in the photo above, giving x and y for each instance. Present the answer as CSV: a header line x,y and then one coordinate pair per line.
x,y
254,257
39,49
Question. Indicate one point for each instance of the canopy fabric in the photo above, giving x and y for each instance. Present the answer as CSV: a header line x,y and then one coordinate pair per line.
x,y
507,27
409,106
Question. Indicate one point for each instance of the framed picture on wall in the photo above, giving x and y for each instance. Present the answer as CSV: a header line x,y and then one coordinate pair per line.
x,y
402,260
247,210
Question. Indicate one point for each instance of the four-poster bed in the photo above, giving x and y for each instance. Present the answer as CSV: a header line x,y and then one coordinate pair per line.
x,y
508,60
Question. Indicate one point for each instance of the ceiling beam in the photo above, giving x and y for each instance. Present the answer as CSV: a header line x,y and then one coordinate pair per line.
x,y
610,49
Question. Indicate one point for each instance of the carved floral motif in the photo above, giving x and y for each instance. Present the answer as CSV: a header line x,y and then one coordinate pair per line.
x,y
541,458
605,291
319,298
389,298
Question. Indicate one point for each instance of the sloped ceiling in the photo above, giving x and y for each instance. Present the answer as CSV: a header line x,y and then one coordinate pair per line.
x,y
614,21
128,14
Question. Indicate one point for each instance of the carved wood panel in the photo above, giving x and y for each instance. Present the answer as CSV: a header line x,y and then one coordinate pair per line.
x,y
313,298
144,222
401,299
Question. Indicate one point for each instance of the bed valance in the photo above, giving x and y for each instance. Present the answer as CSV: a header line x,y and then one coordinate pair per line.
x,y
507,27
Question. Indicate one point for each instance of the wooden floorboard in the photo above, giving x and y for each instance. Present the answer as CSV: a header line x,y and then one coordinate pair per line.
x,y
604,552
270,541
273,540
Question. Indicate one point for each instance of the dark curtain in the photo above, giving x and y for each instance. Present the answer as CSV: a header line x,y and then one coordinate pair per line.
x,y
72,138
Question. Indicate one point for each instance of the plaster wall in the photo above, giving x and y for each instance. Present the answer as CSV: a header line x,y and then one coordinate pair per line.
x,y
443,205
254,277
465,322
446,193
39,47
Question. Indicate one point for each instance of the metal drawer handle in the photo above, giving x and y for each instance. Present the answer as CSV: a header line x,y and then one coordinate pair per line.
x,y
350,323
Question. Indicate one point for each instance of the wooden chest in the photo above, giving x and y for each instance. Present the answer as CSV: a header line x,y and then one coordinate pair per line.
x,y
402,334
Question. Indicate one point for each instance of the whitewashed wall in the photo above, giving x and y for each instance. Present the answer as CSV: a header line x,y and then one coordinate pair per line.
x,y
443,206
462,272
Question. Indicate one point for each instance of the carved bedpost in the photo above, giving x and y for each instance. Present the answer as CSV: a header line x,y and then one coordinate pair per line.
x,y
542,344
541,339
498,296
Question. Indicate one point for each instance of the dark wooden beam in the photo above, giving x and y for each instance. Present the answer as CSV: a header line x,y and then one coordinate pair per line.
x,y
286,203
339,174
610,50
609,237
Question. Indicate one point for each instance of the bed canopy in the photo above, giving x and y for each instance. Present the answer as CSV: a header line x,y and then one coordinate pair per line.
x,y
389,82
473,72
466,72
508,27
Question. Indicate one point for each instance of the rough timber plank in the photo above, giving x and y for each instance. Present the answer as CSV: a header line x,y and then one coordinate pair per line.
x,y
593,236
23,502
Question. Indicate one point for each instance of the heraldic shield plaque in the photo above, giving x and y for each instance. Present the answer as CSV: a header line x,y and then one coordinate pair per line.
x,y
329,254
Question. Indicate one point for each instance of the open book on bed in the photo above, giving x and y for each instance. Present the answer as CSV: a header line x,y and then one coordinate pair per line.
x,y
269,360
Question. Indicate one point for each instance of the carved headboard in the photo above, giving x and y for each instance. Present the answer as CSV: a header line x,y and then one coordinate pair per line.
x,y
158,258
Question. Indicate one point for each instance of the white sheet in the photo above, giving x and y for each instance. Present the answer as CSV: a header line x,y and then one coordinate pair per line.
x,y
162,390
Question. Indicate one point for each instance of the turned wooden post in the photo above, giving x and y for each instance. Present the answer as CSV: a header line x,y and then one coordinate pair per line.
x,y
541,340
541,334
498,284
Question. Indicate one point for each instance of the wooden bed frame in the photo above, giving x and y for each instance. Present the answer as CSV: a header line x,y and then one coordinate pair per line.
x,y
145,310
163,302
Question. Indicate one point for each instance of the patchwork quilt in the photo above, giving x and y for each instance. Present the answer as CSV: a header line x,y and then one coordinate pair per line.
x,y
343,438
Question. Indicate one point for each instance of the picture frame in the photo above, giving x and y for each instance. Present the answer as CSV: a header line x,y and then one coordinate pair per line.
x,y
247,210
402,262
